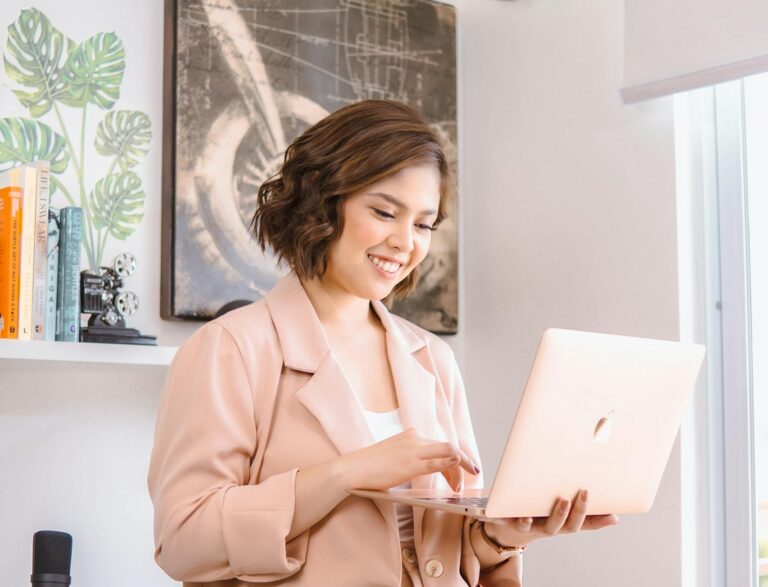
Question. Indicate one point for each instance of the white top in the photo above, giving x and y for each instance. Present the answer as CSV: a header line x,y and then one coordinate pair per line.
x,y
382,426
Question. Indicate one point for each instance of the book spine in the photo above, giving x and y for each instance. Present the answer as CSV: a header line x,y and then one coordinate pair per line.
x,y
51,274
26,266
68,294
10,233
41,251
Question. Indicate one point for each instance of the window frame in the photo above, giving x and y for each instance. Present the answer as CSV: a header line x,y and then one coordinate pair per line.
x,y
718,514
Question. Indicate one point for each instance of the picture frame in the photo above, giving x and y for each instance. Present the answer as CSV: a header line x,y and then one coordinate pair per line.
x,y
242,78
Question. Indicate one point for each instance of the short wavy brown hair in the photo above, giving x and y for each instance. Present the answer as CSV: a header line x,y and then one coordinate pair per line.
x,y
299,210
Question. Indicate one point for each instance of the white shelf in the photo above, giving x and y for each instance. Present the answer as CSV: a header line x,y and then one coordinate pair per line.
x,y
84,352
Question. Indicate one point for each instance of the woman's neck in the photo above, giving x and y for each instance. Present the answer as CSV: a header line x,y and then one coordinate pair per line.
x,y
338,309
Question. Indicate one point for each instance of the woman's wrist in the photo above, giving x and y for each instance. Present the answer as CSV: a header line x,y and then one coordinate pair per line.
x,y
488,556
500,545
343,474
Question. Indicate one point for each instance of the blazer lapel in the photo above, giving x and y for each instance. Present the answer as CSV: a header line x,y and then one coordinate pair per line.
x,y
327,395
330,398
414,384
415,387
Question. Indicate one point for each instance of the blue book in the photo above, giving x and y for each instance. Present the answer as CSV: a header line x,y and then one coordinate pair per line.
x,y
51,274
68,294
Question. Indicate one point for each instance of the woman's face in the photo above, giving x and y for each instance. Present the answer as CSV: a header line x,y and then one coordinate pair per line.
x,y
387,231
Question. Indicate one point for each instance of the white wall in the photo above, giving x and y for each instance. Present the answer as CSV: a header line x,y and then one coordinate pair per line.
x,y
74,441
568,219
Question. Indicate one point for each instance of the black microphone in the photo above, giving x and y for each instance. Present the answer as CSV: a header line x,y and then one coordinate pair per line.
x,y
51,558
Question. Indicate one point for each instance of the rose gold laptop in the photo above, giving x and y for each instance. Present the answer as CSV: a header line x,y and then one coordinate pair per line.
x,y
599,412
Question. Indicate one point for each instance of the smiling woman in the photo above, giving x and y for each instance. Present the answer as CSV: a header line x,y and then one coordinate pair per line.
x,y
273,412
360,149
386,236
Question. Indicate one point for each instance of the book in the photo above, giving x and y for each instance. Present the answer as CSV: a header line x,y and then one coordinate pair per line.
x,y
40,264
52,273
26,178
68,287
10,235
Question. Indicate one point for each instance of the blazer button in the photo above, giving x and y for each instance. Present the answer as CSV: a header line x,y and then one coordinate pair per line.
x,y
409,556
434,568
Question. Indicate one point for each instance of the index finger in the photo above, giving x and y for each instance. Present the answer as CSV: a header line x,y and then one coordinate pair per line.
x,y
466,463
434,449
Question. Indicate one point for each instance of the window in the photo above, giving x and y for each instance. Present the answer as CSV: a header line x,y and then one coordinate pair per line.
x,y
756,134
722,160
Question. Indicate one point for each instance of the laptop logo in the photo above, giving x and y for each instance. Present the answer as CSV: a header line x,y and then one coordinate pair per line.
x,y
603,428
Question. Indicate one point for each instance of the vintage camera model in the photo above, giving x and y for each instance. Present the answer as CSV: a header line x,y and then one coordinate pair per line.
x,y
101,297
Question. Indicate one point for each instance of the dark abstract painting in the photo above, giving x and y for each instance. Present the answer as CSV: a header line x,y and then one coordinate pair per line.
x,y
244,78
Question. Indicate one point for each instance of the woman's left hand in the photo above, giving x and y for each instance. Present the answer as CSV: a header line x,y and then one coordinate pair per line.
x,y
567,517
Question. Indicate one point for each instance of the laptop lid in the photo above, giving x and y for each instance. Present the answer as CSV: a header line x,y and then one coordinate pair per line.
x,y
599,412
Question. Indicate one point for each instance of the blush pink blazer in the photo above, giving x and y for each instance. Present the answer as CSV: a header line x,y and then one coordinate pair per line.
x,y
256,395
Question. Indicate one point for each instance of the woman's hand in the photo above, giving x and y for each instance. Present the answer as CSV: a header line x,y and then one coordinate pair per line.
x,y
566,518
403,457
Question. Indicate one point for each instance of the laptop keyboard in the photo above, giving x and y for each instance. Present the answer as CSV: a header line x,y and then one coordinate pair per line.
x,y
467,502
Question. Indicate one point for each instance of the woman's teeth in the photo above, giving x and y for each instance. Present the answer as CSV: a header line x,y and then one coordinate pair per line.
x,y
387,266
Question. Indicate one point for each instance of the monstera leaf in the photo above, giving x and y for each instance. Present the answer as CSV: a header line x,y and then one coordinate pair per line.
x,y
117,202
24,141
124,134
94,71
34,53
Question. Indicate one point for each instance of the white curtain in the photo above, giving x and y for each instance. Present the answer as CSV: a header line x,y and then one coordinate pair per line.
x,y
676,45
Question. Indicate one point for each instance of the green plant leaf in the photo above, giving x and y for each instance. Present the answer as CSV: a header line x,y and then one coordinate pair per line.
x,y
24,141
126,135
94,71
36,50
117,203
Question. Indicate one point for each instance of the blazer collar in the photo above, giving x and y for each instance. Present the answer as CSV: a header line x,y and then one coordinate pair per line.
x,y
301,334
328,395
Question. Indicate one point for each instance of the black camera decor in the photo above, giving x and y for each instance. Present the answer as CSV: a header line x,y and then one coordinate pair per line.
x,y
100,296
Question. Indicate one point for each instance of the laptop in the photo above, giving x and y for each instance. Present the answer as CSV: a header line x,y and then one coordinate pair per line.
x,y
599,412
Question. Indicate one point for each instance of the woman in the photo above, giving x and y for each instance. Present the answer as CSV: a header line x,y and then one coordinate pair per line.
x,y
273,411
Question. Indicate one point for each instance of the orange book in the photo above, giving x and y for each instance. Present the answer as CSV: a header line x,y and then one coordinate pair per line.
x,y
10,245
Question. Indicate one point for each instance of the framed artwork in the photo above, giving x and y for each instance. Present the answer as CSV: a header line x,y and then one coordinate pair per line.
x,y
242,79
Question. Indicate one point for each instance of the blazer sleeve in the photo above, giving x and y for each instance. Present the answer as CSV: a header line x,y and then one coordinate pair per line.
x,y
511,572
209,523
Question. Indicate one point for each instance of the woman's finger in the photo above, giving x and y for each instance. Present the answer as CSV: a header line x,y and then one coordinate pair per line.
x,y
439,464
578,512
556,519
455,478
466,463
521,524
443,449
599,522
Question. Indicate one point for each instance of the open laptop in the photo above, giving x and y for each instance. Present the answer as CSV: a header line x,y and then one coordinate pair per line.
x,y
599,412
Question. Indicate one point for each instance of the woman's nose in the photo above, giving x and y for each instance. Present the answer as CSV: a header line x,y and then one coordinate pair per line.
x,y
402,238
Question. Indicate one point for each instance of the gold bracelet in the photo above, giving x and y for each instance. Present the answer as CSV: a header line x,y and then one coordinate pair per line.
x,y
499,548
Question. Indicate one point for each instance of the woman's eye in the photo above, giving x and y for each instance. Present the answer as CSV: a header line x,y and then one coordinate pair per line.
x,y
383,214
390,216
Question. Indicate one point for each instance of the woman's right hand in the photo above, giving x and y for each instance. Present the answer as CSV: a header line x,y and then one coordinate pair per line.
x,y
400,459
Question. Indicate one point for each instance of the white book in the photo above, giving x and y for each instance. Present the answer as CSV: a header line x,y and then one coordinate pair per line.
x,y
26,178
52,273
41,250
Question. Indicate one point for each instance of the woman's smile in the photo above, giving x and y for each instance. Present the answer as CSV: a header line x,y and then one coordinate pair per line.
x,y
388,222
385,267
